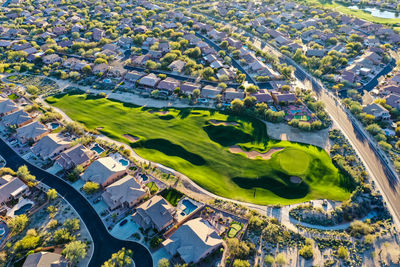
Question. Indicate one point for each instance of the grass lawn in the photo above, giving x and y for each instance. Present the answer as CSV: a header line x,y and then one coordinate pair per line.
x,y
152,187
234,229
186,141
355,12
13,96
172,196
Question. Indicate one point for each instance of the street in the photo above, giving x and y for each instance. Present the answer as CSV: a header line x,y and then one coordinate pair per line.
x,y
104,244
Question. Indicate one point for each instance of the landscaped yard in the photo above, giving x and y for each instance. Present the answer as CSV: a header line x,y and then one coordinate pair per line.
x,y
152,187
185,140
234,229
43,84
172,196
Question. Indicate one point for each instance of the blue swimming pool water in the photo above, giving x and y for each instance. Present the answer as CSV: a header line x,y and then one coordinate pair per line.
x,y
295,111
97,149
190,207
124,162
23,209
144,177
54,125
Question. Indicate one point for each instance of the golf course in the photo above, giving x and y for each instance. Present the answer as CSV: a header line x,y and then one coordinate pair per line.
x,y
197,142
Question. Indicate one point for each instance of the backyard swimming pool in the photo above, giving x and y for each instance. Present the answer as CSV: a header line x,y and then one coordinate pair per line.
x,y
295,111
97,149
124,162
54,125
144,177
190,207
23,209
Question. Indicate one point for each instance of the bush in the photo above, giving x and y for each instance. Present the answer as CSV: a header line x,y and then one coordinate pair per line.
x,y
343,253
306,252
358,228
155,242
91,187
269,260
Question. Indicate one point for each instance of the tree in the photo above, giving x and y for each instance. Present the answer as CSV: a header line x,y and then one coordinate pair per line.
x,y
24,174
164,263
155,242
251,89
74,251
280,259
72,224
208,72
30,241
237,105
62,236
241,263
343,253
249,101
122,258
373,129
51,194
196,93
306,252
269,260
91,187
18,224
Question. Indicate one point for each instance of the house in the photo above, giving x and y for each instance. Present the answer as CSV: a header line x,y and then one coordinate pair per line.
x,y
45,259
348,76
31,132
379,112
315,53
18,119
149,81
393,100
125,192
11,188
97,34
217,35
209,91
177,65
104,171
100,68
392,89
284,98
154,213
169,84
116,72
188,87
233,42
231,94
7,107
263,97
193,241
50,146
133,76
74,156
50,59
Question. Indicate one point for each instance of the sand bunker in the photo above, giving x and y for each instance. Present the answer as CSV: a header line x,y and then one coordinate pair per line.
x,y
254,154
164,112
225,123
295,179
131,137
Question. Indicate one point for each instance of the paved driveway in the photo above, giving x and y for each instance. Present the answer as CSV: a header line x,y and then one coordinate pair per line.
x,y
104,243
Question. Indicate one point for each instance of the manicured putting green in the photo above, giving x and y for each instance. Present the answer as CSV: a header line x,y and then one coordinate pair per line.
x,y
190,143
294,161
234,229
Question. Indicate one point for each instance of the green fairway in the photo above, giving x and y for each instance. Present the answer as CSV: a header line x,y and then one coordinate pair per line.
x,y
189,143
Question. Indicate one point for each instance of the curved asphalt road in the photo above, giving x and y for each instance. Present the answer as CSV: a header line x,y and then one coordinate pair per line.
x,y
105,244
